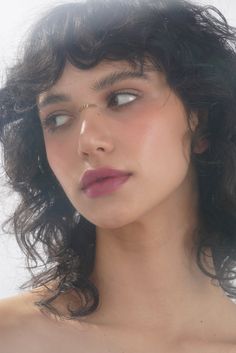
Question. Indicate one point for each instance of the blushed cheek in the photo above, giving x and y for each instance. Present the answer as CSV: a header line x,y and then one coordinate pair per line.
x,y
57,160
164,145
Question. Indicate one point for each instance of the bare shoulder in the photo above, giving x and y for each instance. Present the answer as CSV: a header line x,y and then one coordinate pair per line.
x,y
21,311
21,324
24,328
15,309
19,317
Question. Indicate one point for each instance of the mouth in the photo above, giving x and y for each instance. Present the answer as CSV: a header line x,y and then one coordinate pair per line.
x,y
106,185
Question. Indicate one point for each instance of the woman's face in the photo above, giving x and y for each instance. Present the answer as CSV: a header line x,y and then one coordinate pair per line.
x,y
134,123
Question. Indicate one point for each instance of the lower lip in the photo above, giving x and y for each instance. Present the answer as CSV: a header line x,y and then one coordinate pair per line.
x,y
105,187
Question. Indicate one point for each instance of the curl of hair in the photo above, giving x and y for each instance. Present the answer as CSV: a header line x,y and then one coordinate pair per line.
x,y
194,47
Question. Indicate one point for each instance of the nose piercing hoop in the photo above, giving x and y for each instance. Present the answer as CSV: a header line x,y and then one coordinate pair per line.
x,y
85,106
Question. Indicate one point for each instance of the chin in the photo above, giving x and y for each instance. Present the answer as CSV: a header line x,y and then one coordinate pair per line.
x,y
110,224
112,221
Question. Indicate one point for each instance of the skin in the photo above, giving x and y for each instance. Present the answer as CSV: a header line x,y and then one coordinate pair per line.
x,y
145,255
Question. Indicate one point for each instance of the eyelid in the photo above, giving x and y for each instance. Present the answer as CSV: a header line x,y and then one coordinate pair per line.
x,y
47,121
123,91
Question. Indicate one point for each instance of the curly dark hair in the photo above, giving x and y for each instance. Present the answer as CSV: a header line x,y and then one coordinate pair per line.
x,y
194,47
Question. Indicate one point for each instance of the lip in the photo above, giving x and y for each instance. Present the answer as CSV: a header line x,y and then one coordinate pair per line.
x,y
95,175
105,186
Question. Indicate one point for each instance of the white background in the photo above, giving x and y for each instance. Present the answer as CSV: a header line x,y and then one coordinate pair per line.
x,y
15,18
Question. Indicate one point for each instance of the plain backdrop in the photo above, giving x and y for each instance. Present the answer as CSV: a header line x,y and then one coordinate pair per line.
x,y
15,19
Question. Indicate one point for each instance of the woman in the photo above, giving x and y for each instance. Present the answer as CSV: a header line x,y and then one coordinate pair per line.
x,y
118,130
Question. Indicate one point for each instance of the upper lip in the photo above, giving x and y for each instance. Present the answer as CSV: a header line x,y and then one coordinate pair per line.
x,y
92,175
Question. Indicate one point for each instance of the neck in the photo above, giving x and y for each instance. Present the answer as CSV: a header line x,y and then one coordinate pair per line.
x,y
148,269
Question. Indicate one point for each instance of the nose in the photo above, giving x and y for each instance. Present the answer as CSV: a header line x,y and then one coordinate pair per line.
x,y
94,135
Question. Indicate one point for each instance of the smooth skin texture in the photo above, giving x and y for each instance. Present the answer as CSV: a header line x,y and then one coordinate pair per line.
x,y
145,266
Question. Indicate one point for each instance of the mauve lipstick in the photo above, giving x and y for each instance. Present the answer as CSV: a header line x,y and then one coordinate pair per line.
x,y
102,181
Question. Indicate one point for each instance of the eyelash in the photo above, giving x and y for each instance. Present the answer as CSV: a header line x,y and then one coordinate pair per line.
x,y
49,123
113,95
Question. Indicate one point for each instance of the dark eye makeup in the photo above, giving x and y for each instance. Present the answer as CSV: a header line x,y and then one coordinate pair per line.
x,y
115,100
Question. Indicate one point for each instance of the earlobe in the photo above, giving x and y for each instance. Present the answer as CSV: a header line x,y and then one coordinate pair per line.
x,y
201,146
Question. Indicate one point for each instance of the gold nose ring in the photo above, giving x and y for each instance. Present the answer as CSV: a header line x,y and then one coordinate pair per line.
x,y
85,106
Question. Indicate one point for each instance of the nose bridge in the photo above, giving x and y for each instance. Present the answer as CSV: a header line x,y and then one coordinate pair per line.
x,y
86,106
88,116
93,135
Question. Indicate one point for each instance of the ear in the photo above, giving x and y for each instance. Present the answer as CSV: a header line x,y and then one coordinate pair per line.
x,y
193,121
201,146
202,143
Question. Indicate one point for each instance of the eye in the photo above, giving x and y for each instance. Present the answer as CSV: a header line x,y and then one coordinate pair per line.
x,y
117,99
55,121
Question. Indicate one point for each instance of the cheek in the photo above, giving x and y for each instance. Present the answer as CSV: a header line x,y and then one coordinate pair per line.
x,y
60,159
161,143
161,132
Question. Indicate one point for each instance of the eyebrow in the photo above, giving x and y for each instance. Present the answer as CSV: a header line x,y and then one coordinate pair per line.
x,y
115,77
52,99
103,83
